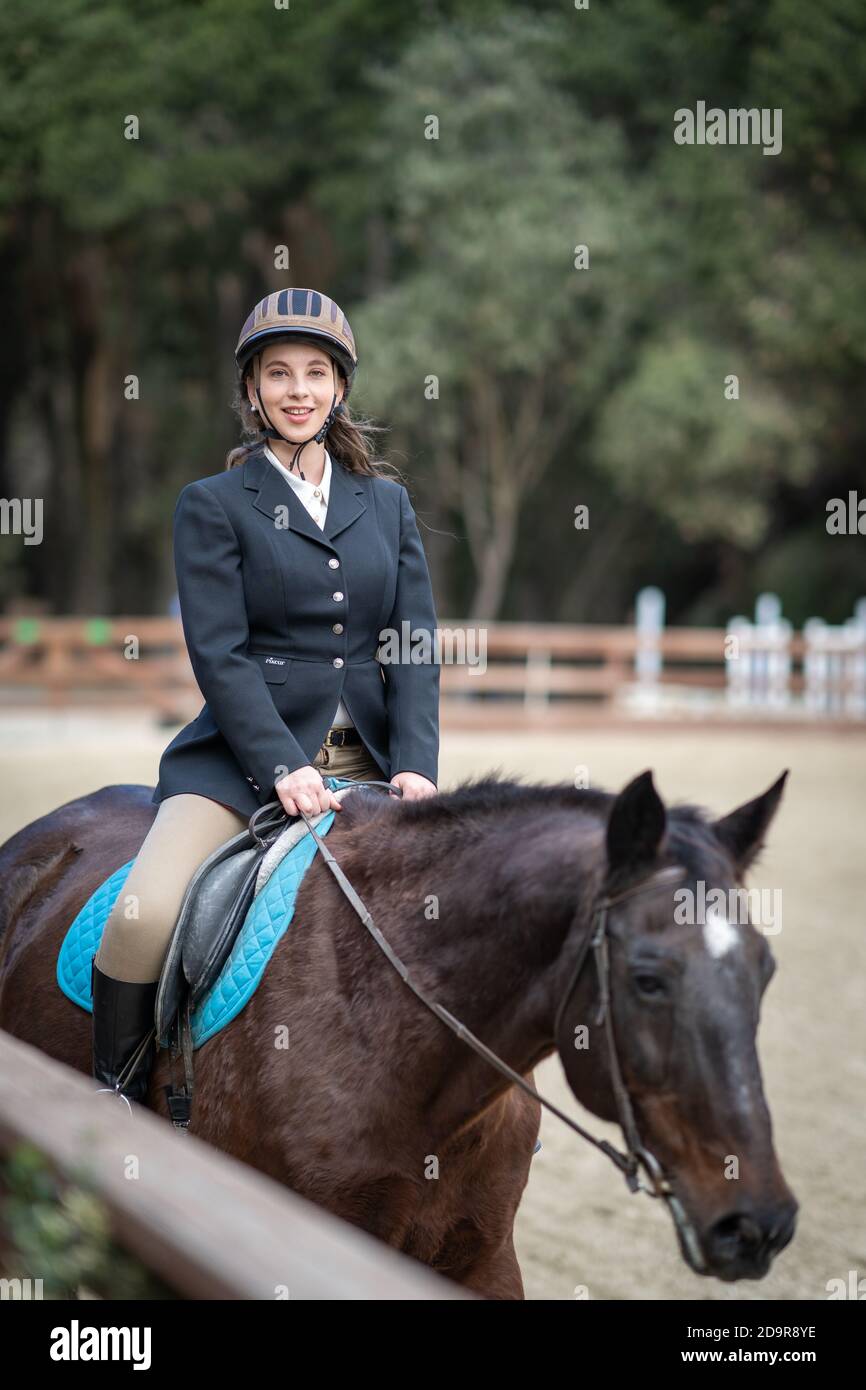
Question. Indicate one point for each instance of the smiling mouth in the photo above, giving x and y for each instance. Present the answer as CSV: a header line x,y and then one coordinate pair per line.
x,y
298,414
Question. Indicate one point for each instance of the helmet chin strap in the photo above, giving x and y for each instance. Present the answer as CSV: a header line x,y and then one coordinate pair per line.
x,y
272,433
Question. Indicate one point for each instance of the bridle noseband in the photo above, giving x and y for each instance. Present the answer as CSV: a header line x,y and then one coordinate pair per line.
x,y
636,1155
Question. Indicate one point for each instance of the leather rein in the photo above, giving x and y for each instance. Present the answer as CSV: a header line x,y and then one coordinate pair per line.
x,y
636,1155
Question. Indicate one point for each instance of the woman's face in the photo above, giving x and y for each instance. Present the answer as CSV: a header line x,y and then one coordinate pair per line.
x,y
298,382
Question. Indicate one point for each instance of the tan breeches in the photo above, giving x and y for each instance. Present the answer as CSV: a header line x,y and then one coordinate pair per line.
x,y
186,830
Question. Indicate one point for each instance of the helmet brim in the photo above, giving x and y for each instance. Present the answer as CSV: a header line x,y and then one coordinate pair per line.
x,y
259,341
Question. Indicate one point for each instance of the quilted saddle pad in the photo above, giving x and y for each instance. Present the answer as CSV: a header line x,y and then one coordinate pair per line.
x,y
269,915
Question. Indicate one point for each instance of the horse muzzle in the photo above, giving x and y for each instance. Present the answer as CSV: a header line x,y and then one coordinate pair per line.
x,y
743,1243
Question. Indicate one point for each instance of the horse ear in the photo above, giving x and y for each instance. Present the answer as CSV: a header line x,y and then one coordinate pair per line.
x,y
742,832
636,825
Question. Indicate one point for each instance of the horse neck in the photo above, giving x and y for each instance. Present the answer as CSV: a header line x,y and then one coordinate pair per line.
x,y
499,953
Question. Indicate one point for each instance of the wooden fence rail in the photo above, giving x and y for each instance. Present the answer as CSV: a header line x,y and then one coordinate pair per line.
x,y
209,1226
495,675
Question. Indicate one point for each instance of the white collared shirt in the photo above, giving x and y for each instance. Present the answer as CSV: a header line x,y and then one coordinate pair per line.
x,y
315,498
313,495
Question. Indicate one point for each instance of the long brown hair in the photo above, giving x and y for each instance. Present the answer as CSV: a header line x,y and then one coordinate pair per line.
x,y
350,438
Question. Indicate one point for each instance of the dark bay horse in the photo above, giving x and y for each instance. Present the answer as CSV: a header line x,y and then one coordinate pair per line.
x,y
375,1109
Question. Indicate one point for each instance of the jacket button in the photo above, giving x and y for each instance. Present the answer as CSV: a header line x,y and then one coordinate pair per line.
x,y
338,661
338,628
335,564
337,596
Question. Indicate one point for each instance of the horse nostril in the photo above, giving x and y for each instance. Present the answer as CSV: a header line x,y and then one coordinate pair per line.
x,y
727,1231
750,1231
744,1236
734,1236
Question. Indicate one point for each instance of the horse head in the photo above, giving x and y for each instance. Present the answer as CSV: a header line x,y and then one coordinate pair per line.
x,y
686,974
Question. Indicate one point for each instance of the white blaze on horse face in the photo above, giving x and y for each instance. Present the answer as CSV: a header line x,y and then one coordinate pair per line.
x,y
719,934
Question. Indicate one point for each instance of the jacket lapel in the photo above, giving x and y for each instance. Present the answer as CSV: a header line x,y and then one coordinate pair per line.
x,y
345,502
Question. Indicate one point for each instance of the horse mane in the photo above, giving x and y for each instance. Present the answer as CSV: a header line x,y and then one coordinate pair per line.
x,y
690,832
490,794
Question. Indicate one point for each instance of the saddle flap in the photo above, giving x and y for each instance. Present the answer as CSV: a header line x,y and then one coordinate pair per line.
x,y
173,982
217,916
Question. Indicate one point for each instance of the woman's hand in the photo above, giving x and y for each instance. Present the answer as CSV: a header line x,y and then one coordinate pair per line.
x,y
414,786
304,790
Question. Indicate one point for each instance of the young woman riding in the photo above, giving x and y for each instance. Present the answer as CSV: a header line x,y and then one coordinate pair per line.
x,y
287,576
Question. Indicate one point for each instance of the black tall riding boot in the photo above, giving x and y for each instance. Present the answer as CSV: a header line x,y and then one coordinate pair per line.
x,y
122,1018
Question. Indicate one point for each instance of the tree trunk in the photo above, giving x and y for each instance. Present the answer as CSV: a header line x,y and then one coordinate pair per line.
x,y
509,456
494,570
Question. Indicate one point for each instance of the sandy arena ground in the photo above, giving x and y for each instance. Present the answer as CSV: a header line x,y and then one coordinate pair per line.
x,y
578,1225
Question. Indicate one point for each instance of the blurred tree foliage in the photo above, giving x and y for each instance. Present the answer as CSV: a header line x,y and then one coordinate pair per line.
x,y
59,1232
517,386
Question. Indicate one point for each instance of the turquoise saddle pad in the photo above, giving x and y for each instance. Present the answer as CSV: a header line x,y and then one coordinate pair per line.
x,y
268,916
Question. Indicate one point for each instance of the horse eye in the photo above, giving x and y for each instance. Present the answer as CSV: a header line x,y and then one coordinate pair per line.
x,y
649,984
